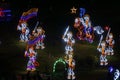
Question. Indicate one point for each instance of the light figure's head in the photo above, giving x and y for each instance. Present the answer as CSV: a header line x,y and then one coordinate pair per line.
x,y
69,35
39,29
77,20
111,35
86,17
103,43
24,24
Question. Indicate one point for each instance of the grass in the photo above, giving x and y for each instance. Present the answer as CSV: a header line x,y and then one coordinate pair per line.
x,y
85,55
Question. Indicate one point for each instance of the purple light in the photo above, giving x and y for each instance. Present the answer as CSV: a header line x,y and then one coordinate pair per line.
x,y
27,17
31,42
9,15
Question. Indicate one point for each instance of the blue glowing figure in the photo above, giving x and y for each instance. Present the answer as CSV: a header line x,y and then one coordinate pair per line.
x,y
116,74
82,12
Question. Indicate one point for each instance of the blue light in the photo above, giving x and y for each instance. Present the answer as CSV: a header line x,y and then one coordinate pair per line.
x,y
110,69
7,10
82,11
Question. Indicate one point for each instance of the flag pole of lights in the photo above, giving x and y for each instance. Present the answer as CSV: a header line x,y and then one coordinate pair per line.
x,y
23,25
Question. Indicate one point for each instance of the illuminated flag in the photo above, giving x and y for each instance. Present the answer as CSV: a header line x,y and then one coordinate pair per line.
x,y
29,14
34,41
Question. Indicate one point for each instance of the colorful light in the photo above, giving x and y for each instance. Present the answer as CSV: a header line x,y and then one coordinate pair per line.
x,y
57,61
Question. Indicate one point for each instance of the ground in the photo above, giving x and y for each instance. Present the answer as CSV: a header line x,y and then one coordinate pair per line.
x,y
85,54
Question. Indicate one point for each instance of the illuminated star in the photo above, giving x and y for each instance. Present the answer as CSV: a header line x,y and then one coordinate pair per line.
x,y
73,10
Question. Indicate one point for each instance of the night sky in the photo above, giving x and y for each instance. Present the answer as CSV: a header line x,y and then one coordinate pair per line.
x,y
55,15
57,12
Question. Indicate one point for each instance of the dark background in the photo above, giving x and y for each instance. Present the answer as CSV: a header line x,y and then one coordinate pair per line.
x,y
55,16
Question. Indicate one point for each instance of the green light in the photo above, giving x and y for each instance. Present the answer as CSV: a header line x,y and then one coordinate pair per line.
x,y
57,61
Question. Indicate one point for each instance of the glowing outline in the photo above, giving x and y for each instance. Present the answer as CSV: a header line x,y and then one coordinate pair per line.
x,y
59,60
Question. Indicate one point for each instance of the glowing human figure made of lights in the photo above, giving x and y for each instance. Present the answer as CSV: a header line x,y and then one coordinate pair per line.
x,y
116,74
78,25
102,48
39,32
110,41
70,42
71,67
24,31
88,29
32,55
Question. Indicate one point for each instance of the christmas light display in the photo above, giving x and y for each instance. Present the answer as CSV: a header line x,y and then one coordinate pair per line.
x,y
39,32
23,25
28,14
102,48
36,39
115,73
24,31
110,42
32,55
5,12
84,26
60,60
68,38
71,66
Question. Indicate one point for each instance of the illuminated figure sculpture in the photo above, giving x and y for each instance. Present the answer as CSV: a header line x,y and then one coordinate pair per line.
x,y
98,30
88,29
102,48
39,32
32,60
68,38
116,74
110,44
24,31
83,24
31,54
71,67
80,28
